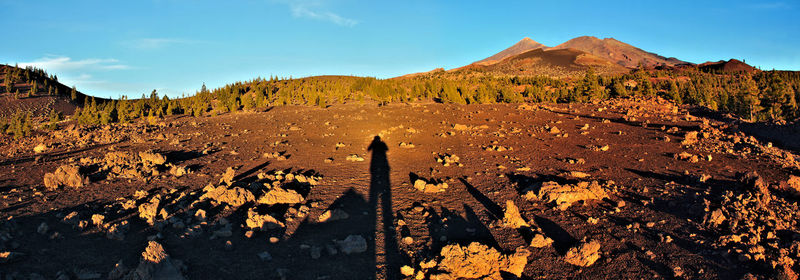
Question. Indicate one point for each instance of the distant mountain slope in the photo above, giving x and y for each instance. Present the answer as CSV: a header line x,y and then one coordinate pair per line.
x,y
522,46
552,62
732,65
608,49
16,92
618,52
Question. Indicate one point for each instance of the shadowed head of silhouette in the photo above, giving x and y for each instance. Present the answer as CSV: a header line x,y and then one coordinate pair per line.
x,y
377,145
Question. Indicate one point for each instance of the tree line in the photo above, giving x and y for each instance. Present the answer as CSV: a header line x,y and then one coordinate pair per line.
x,y
758,96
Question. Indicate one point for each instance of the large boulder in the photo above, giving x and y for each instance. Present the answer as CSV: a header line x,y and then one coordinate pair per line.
x,y
565,195
149,210
478,261
150,158
65,175
279,195
585,254
512,218
261,222
235,196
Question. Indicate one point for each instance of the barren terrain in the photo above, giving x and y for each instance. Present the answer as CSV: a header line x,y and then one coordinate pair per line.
x,y
615,190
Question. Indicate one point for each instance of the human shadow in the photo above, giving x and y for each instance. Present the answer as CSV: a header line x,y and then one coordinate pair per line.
x,y
380,189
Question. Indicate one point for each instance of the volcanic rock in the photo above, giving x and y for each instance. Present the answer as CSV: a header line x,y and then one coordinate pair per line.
x,y
565,195
65,175
279,195
155,264
584,254
352,244
261,222
512,217
480,261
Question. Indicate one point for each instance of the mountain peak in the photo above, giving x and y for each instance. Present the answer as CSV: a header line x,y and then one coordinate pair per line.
x,y
610,49
524,45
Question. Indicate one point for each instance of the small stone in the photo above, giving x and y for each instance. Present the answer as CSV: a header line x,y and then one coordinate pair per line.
x,y
677,271
331,250
407,270
41,148
227,177
539,241
7,257
585,254
265,256
98,219
353,244
119,271
316,252
200,214
72,218
42,229
87,275
333,215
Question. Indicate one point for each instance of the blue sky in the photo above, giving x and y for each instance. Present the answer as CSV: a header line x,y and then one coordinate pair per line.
x,y
110,48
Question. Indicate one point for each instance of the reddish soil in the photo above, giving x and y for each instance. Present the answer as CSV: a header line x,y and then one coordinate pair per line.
x,y
378,192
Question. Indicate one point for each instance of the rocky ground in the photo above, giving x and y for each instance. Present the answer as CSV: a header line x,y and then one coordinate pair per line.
x,y
617,190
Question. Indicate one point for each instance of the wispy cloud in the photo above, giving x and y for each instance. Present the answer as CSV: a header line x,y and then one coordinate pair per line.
x,y
316,10
82,79
80,72
156,43
302,11
64,63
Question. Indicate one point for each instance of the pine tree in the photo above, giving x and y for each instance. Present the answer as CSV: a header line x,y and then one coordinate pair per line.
x,y
170,108
750,98
9,83
20,124
54,117
673,92
248,103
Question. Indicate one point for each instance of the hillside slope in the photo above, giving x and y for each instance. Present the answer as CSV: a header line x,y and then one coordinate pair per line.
x,y
18,93
552,63
732,65
617,52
